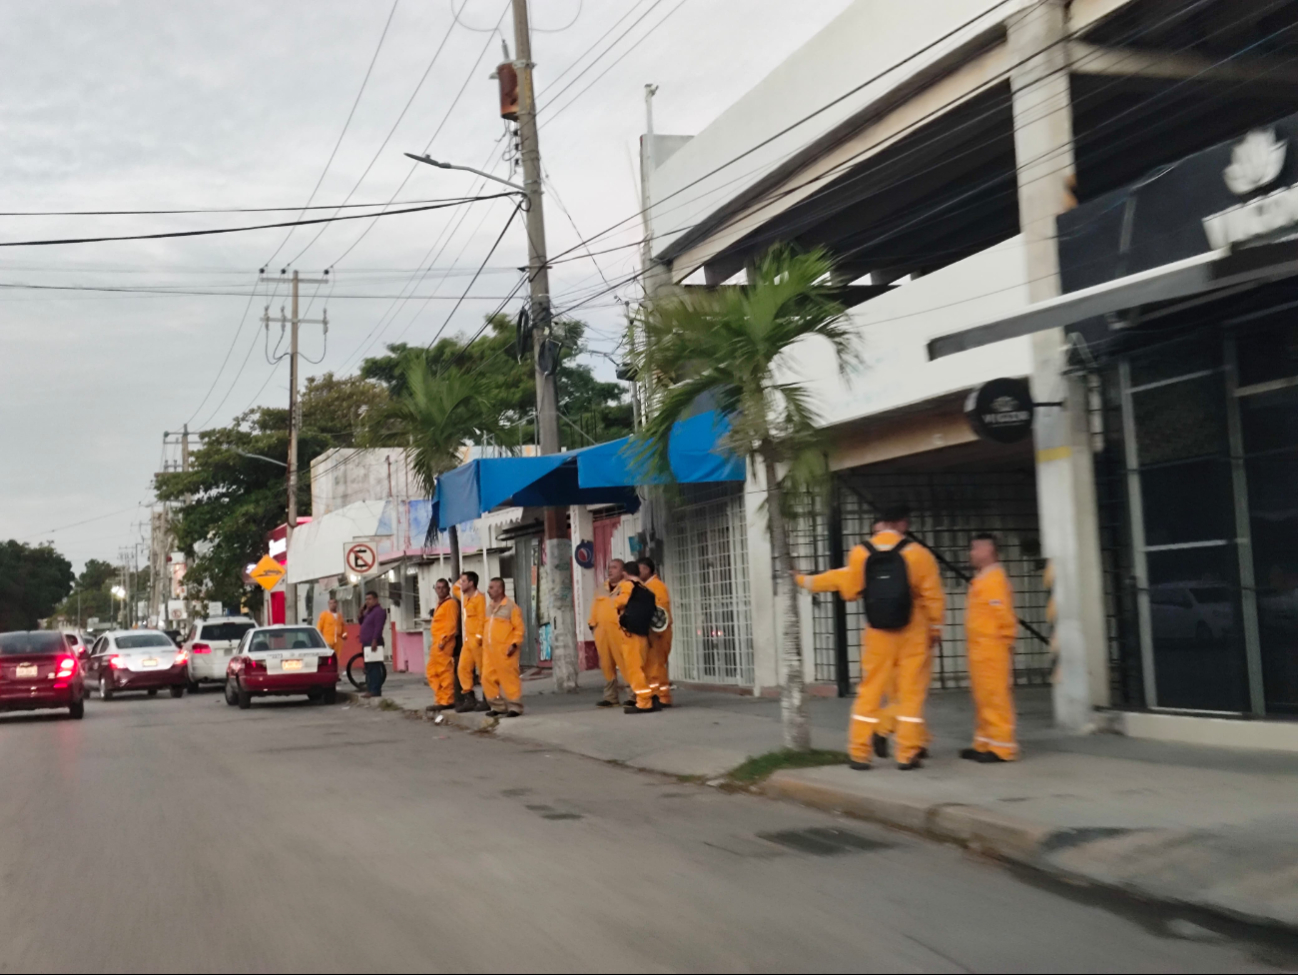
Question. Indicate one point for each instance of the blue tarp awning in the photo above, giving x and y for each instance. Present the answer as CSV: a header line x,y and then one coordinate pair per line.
x,y
604,474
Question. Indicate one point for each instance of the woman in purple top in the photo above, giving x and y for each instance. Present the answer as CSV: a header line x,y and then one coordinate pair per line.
x,y
373,618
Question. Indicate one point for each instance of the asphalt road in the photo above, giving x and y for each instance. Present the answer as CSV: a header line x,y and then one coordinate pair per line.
x,y
164,835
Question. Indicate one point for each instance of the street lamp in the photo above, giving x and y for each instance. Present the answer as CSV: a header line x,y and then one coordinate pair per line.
x,y
271,460
468,169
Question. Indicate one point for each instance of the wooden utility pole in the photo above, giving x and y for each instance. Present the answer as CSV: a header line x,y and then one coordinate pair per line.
x,y
545,354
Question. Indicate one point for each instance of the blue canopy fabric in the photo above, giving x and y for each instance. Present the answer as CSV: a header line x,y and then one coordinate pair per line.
x,y
604,474
693,453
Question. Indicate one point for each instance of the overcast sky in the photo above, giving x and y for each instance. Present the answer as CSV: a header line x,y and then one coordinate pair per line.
x,y
138,105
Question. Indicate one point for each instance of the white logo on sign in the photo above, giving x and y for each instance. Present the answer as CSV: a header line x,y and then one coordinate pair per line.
x,y
1255,161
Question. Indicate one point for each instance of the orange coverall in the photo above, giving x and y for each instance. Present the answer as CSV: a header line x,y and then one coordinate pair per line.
x,y
887,655
607,636
473,616
334,631
444,628
990,628
635,651
501,686
660,646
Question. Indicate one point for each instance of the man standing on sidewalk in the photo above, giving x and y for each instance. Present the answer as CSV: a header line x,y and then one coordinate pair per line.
x,y
333,629
502,636
473,608
629,599
604,629
990,627
660,641
904,607
373,618
444,635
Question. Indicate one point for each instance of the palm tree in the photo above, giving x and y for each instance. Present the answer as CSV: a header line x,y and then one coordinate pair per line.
x,y
435,418
727,347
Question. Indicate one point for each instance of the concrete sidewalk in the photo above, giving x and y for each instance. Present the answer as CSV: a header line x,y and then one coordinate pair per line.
x,y
1214,828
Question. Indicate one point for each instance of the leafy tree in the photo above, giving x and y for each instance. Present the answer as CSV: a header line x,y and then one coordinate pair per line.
x,y
594,411
92,596
230,498
727,347
33,578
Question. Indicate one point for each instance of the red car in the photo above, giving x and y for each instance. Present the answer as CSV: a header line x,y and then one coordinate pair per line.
x,y
137,660
282,660
37,670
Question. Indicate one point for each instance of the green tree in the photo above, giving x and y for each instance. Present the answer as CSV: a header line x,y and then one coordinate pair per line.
x,y
232,497
92,596
593,410
727,347
33,578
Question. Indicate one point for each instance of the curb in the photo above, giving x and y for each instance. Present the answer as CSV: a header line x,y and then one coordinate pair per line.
x,y
466,721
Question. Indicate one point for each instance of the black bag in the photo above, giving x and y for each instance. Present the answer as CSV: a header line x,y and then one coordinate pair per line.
x,y
638,615
887,587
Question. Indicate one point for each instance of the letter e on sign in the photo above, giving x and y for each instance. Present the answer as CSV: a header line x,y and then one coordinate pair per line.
x,y
360,557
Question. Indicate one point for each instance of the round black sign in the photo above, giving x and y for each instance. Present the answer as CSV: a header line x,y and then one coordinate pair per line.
x,y
1001,410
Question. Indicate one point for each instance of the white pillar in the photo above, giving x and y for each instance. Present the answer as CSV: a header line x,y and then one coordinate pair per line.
x,y
1043,145
761,590
583,580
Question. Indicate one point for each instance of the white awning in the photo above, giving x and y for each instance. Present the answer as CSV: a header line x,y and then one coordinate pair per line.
x,y
317,547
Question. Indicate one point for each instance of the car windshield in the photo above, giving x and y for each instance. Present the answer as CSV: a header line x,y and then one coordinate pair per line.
x,y
138,641
299,638
224,631
35,641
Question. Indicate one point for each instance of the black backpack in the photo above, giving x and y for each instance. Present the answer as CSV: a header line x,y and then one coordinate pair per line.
x,y
887,587
638,615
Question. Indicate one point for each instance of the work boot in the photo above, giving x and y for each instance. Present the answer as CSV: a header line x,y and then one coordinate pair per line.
x,y
629,703
971,754
988,758
604,704
880,744
633,709
859,766
910,766
659,703
922,753
468,704
482,706
513,714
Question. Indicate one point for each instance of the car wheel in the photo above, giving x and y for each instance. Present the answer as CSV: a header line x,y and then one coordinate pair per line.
x,y
330,695
177,690
105,689
230,697
245,700
153,692
77,709
193,687
314,696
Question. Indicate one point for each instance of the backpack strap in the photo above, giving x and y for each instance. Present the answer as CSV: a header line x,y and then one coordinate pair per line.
x,y
902,544
869,547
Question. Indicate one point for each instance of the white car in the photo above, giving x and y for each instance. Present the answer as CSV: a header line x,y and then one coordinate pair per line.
x,y
210,645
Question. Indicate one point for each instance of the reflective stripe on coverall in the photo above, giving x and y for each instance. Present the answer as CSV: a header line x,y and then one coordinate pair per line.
x,y
501,686
660,646
990,628
891,655
604,628
635,651
473,617
334,631
443,629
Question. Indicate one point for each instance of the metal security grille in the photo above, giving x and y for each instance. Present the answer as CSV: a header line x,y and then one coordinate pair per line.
x,y
706,569
947,509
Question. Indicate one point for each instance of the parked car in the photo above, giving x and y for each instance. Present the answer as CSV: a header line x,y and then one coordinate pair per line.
x,y
39,670
210,645
136,660
282,660
78,644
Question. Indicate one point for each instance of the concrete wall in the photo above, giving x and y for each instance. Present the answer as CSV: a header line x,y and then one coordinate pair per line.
x,y
856,46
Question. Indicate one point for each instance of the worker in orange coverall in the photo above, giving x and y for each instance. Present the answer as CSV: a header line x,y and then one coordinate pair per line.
x,y
603,624
990,628
473,617
444,632
634,646
660,642
902,654
502,638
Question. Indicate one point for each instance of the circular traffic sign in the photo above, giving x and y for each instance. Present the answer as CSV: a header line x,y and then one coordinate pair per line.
x,y
360,557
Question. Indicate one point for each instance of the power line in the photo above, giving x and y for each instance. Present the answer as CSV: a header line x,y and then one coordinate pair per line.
x,y
612,44
148,213
599,40
236,230
499,237
364,81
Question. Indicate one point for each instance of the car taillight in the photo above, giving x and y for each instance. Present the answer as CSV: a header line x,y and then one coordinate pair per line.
x,y
328,663
115,661
201,648
67,666
252,663
181,657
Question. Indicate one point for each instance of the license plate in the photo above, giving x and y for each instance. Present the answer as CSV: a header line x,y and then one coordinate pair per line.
x,y
149,662
26,670
292,665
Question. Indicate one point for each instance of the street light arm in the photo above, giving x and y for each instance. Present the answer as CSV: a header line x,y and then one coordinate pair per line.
x,y
468,169
271,460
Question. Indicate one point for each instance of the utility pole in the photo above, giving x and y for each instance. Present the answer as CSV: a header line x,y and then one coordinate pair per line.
x,y
558,546
294,422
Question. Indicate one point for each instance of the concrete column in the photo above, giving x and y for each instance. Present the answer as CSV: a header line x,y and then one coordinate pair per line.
x,y
583,586
765,628
1043,145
